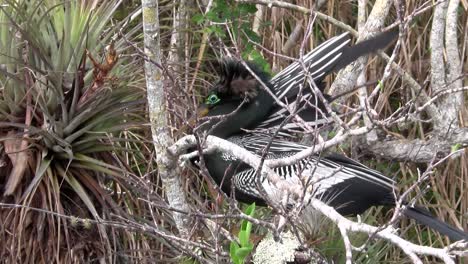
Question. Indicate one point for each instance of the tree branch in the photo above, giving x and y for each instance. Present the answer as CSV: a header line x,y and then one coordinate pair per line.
x,y
452,103
167,165
345,225
346,78
437,59
417,150
410,249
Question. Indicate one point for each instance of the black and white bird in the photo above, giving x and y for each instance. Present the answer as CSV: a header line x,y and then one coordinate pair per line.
x,y
331,56
244,105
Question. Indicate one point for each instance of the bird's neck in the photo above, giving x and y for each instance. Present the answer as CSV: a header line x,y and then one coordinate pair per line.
x,y
246,116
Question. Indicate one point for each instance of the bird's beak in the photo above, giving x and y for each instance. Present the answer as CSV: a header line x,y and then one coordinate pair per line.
x,y
201,112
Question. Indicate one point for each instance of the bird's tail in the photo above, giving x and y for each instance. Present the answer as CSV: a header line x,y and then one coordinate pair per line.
x,y
424,217
329,57
352,53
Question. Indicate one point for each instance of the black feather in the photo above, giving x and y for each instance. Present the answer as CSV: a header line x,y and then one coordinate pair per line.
x,y
353,191
365,47
422,216
241,93
329,57
236,80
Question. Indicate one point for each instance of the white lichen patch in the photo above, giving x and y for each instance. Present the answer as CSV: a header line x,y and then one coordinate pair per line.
x,y
272,252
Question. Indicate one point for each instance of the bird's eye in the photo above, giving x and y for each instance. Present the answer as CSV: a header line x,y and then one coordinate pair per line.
x,y
212,99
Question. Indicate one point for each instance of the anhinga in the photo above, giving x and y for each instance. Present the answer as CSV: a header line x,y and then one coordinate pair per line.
x,y
348,186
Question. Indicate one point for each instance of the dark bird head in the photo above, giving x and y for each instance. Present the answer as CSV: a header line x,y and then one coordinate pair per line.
x,y
238,98
237,82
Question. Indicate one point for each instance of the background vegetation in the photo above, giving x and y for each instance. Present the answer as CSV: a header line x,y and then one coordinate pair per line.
x,y
77,171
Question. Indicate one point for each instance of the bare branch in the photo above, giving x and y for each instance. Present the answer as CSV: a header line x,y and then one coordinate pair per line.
x,y
437,59
346,79
437,46
451,104
345,225
301,9
418,150
167,167
411,249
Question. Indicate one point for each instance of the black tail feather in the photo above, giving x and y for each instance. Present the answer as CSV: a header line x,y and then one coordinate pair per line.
x,y
330,56
352,53
424,217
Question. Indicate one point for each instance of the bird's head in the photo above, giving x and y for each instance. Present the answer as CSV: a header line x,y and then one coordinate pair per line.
x,y
239,99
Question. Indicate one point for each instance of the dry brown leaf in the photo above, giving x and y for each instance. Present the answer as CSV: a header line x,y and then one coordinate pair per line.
x,y
15,148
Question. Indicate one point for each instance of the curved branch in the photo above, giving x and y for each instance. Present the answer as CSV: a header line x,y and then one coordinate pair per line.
x,y
417,150
409,248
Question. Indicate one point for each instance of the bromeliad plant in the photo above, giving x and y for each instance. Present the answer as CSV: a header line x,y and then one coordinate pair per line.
x,y
239,252
63,106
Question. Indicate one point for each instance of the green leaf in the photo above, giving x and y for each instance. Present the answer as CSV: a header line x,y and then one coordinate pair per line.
x,y
212,16
221,5
244,225
216,30
250,33
247,8
381,85
248,228
250,210
198,19
239,252
233,247
244,237
455,147
243,252
40,172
